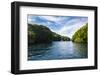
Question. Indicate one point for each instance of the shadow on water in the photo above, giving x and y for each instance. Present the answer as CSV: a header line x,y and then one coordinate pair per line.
x,y
81,49
38,49
57,50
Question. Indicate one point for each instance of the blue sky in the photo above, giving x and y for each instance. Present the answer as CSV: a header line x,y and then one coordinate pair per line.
x,y
63,25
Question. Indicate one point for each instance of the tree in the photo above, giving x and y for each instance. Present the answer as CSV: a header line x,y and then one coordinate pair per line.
x,y
81,35
42,34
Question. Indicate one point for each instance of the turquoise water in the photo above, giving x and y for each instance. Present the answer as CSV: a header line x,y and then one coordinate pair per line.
x,y
57,50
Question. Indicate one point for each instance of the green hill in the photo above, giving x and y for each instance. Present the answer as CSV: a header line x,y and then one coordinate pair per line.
x,y
81,35
42,34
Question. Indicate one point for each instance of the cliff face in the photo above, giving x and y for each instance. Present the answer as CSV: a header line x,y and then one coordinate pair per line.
x,y
42,34
81,35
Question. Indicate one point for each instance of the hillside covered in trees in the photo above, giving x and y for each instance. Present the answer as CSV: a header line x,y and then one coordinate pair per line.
x,y
81,35
42,34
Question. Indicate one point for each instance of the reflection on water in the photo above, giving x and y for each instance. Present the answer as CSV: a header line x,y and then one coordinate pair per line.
x,y
57,50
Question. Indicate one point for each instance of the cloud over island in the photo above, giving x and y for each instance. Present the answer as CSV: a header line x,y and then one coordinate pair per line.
x,y
63,25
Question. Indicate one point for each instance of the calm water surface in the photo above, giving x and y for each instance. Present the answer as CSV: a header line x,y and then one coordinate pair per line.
x,y
57,50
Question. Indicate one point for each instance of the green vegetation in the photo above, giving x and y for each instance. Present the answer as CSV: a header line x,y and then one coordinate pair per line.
x,y
81,35
38,34
57,37
42,34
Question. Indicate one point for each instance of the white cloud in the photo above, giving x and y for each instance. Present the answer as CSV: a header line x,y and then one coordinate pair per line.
x,y
31,20
69,30
50,18
65,26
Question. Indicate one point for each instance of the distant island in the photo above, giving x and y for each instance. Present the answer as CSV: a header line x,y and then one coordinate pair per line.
x,y
42,34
